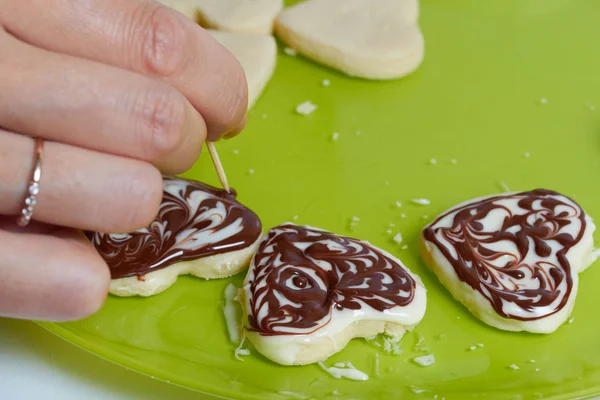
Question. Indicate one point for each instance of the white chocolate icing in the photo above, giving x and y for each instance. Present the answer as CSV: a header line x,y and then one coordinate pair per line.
x,y
199,230
308,289
513,259
345,370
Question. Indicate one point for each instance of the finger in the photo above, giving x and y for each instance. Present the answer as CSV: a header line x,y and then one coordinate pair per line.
x,y
145,37
79,188
57,276
96,106
237,130
8,223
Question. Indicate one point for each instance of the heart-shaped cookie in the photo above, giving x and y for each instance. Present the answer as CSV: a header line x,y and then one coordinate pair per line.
x,y
309,292
373,39
513,259
199,230
185,7
248,16
256,53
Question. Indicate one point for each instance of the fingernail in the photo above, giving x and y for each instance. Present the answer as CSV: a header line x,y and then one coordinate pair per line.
x,y
238,128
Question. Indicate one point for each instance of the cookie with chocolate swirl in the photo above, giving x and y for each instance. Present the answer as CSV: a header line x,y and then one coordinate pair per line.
x,y
308,292
199,230
513,259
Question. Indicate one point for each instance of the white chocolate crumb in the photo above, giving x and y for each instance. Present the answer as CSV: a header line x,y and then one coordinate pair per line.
x,y
416,390
425,216
537,370
236,151
544,100
571,320
289,51
357,133
306,108
435,397
404,247
389,231
433,161
441,336
479,344
391,344
295,218
419,345
422,202
590,106
402,215
326,82
424,361
472,348
398,238
344,370
527,155
335,136
250,171
336,393
514,367
391,224
239,351
531,361
355,219
398,204
453,161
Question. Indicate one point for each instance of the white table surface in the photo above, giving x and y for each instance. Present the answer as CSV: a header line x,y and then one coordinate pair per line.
x,y
35,364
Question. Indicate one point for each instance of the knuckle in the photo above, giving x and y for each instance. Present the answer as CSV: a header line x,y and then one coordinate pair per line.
x,y
163,41
162,112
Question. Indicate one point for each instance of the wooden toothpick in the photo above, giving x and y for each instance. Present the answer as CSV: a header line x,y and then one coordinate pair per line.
x,y
218,166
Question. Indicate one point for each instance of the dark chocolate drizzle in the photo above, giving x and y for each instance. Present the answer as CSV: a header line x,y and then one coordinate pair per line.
x,y
300,274
544,216
192,215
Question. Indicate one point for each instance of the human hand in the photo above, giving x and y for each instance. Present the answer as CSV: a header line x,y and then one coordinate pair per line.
x,y
122,91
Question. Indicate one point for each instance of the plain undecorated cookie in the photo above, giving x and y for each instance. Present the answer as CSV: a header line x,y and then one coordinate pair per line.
x,y
199,230
188,8
212,267
308,292
373,39
257,54
248,16
513,259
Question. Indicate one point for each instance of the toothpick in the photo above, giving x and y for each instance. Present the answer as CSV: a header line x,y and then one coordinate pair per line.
x,y
218,166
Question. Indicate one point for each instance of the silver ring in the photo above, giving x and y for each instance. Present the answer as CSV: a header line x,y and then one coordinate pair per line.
x,y
34,185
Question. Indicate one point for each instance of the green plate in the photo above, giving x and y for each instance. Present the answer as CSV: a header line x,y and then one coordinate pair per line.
x,y
477,99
